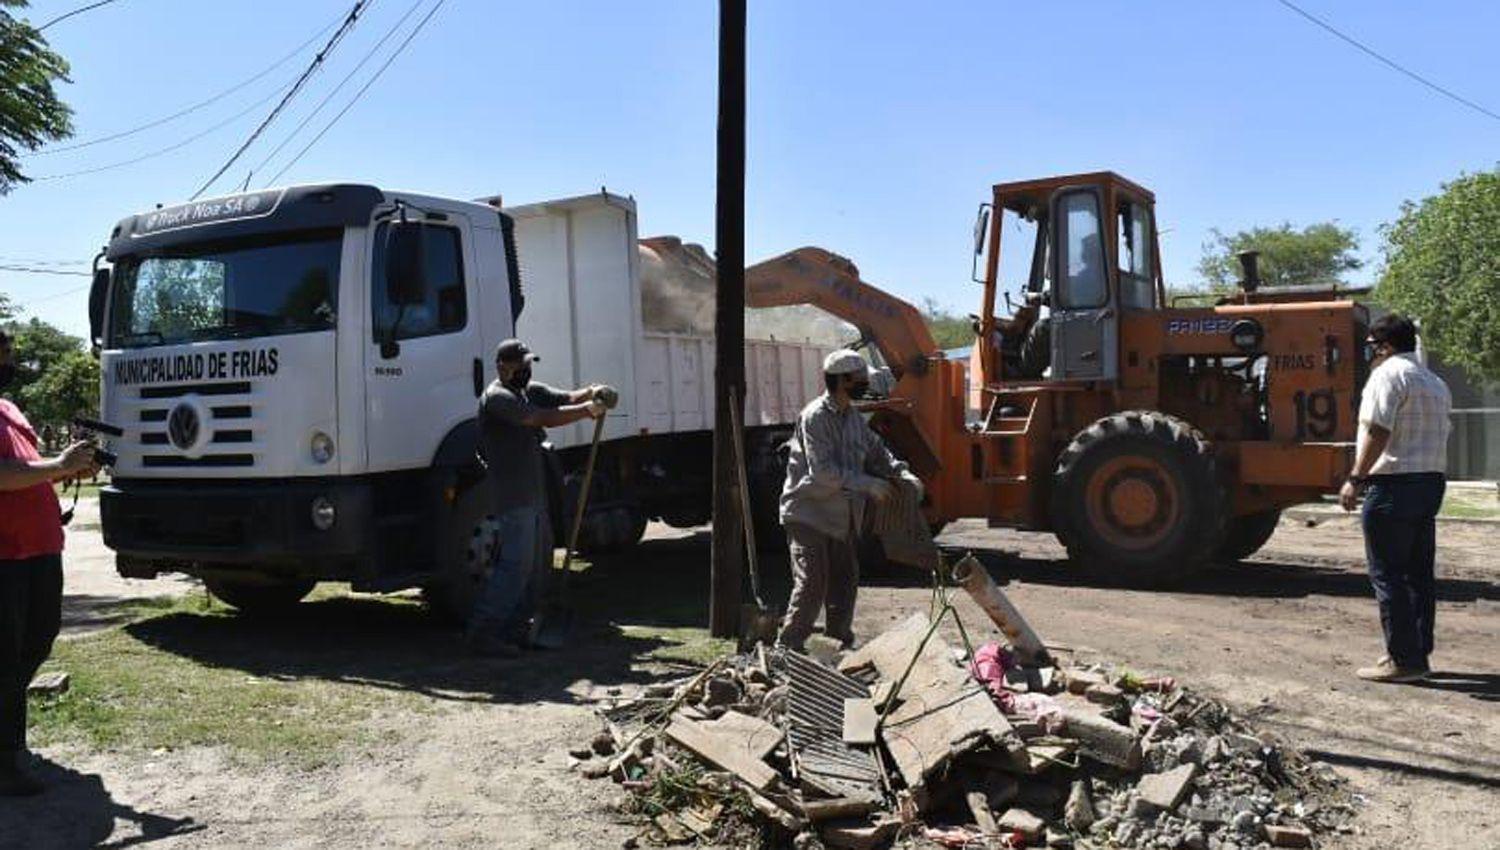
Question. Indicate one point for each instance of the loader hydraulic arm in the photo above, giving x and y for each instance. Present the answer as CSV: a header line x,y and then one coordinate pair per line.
x,y
831,283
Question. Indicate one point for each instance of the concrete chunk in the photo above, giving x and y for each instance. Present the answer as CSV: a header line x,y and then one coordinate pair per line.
x,y
1166,790
1288,836
55,682
1022,821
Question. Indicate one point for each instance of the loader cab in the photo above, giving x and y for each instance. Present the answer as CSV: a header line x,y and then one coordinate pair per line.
x,y
1086,251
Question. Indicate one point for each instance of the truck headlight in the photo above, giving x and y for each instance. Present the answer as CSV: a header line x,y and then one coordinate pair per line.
x,y
322,447
323,513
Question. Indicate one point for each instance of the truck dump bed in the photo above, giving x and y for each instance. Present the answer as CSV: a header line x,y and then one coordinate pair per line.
x,y
585,315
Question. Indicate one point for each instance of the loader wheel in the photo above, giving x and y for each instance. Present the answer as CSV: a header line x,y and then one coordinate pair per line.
x,y
1136,499
1244,535
466,548
257,598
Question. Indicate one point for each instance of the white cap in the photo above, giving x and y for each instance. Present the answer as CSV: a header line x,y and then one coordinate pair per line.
x,y
845,361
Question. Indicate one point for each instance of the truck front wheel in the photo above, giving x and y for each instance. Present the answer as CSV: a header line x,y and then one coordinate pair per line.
x,y
1244,535
466,547
259,597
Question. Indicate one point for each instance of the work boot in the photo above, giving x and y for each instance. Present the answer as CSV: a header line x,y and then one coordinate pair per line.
x,y
16,781
1386,670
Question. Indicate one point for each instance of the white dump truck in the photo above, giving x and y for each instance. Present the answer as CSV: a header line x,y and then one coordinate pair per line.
x,y
296,372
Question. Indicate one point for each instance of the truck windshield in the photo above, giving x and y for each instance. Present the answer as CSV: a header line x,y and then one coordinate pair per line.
x,y
225,290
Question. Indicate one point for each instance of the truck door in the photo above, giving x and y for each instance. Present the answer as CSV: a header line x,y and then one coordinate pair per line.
x,y
1084,314
429,381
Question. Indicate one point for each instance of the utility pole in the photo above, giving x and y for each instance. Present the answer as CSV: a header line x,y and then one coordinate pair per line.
x,y
727,569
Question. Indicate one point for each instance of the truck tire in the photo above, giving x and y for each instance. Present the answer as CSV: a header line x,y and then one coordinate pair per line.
x,y
466,546
1244,535
259,597
1136,499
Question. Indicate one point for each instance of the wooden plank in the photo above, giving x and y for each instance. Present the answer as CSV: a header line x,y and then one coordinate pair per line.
x,y
754,736
860,719
721,750
979,807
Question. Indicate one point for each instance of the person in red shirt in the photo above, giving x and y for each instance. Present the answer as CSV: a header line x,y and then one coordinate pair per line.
x,y
31,543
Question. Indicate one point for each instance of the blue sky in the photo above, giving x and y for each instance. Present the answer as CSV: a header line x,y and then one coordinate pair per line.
x,y
875,127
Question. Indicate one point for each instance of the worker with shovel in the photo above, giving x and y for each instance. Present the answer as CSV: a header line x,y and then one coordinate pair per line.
x,y
512,413
836,463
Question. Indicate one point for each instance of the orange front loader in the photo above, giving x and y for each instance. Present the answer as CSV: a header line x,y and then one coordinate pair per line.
x,y
1150,439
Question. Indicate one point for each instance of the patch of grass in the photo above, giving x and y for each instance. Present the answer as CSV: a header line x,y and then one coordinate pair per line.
x,y
685,644
1470,504
129,695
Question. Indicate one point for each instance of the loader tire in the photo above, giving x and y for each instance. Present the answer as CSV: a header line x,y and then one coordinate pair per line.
x,y
259,598
466,546
1244,535
1136,499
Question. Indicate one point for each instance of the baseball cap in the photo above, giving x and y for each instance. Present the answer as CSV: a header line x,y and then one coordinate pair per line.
x,y
514,351
844,361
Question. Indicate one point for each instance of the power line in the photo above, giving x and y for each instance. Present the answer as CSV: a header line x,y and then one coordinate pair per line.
x,y
30,301
80,10
169,148
317,62
336,89
357,95
1390,63
195,107
31,270
26,261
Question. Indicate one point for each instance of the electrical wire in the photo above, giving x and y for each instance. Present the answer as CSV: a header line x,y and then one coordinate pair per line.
x,y
336,89
338,35
54,296
27,261
80,10
33,270
197,106
1390,63
357,95
169,148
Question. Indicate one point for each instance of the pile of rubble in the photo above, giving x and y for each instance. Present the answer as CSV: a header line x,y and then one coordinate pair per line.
x,y
910,740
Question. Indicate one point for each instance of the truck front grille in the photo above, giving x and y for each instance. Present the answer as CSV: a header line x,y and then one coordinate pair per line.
x,y
229,422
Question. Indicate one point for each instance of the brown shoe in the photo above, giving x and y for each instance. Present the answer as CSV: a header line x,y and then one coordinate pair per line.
x,y
1386,670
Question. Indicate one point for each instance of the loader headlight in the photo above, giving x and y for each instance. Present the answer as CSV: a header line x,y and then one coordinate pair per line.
x,y
323,513
322,447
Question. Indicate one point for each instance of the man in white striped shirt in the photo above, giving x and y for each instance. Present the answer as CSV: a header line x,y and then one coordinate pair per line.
x,y
1399,467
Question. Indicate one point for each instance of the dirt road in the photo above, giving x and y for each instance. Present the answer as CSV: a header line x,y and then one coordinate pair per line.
x,y
473,755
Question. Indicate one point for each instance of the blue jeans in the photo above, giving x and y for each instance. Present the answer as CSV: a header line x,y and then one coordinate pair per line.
x,y
1400,520
508,599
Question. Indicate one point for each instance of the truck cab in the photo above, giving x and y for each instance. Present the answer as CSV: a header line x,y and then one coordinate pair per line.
x,y
296,372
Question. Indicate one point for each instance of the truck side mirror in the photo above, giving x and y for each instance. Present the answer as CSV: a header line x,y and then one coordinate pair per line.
x,y
405,269
98,297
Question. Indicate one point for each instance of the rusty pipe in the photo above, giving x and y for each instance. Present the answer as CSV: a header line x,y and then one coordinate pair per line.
x,y
1024,640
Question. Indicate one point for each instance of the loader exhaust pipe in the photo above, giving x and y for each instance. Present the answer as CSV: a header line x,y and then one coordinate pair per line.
x,y
1250,263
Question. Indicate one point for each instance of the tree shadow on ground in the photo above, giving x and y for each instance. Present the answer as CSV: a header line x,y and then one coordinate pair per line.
x,y
76,810
398,644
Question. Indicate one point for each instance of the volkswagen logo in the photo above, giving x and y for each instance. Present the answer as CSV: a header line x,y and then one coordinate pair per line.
x,y
183,426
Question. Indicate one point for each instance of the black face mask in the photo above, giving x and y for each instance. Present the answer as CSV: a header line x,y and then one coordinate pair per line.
x,y
520,378
7,374
860,389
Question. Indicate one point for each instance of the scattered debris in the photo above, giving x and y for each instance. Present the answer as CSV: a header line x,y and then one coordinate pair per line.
x,y
977,748
50,684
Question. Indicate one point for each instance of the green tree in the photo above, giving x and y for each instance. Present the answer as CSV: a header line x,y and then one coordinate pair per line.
x,y
30,113
1318,253
55,378
1442,268
949,330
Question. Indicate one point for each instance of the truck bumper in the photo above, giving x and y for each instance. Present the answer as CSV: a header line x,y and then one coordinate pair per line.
x,y
165,525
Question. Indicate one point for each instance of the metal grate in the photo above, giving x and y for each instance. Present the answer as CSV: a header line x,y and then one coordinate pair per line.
x,y
816,731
